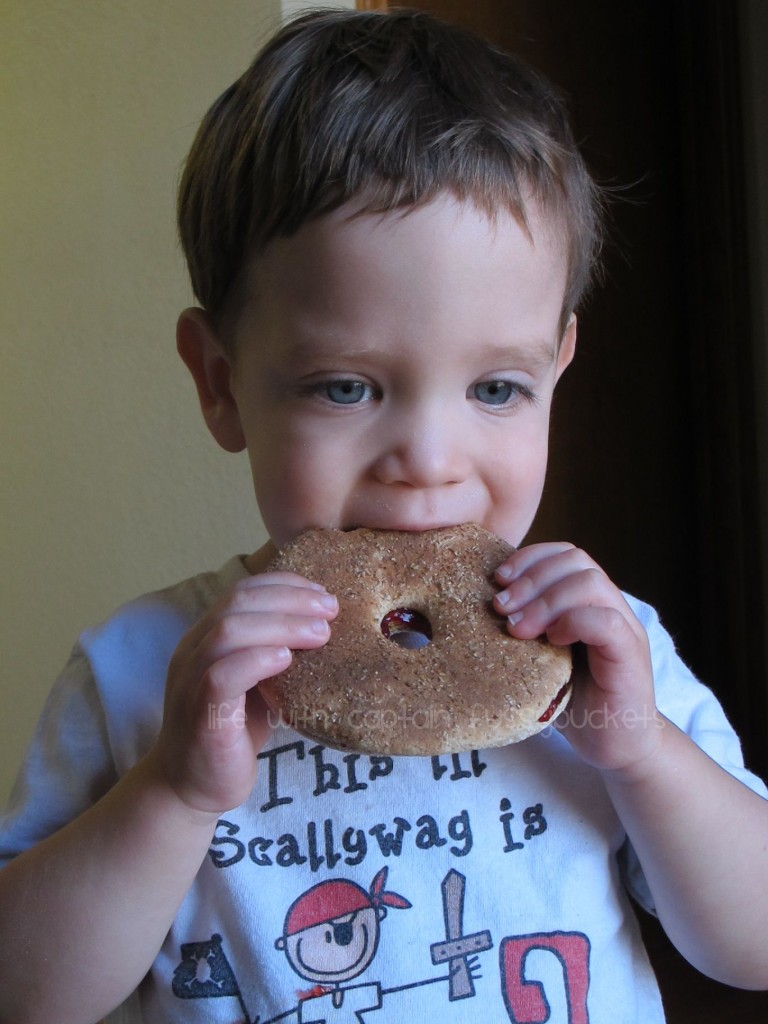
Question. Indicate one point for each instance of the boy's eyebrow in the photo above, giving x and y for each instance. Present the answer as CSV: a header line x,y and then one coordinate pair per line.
x,y
536,353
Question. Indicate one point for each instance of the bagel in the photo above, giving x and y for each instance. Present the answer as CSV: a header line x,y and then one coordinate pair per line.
x,y
418,661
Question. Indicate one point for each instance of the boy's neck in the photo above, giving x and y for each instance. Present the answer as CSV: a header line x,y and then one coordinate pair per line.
x,y
259,560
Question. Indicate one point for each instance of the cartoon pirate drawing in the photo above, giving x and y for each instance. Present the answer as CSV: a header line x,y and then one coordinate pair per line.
x,y
330,937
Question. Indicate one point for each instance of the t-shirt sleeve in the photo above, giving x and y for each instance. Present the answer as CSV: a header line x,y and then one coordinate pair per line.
x,y
103,713
691,705
68,765
105,709
694,709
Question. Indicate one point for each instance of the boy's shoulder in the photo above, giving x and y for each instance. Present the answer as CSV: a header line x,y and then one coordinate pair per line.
x,y
127,655
678,690
105,707
169,610
687,702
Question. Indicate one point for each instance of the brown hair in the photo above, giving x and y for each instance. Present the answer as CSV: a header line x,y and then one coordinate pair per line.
x,y
388,109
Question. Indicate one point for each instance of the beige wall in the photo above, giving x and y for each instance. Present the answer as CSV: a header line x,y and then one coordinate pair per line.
x,y
109,484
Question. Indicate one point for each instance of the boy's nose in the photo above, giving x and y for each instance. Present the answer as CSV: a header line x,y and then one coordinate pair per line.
x,y
424,450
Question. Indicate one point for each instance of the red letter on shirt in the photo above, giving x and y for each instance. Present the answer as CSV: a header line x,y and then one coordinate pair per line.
x,y
526,1001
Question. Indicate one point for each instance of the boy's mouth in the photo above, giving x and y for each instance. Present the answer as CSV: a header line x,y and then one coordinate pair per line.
x,y
402,527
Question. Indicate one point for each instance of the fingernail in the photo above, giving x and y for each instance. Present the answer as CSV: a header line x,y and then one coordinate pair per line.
x,y
514,618
319,626
328,601
504,572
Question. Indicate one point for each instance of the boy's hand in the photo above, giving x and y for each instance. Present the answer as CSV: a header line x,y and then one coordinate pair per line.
x,y
215,721
557,590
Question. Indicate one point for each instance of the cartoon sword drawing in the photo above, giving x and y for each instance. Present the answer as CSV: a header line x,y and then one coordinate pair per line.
x,y
457,947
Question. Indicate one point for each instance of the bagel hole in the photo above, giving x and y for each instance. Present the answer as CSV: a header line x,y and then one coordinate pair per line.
x,y
407,628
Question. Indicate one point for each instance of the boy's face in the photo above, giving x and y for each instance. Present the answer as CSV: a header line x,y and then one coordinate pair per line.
x,y
396,371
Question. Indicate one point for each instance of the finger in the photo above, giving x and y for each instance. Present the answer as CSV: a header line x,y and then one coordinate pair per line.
x,y
539,574
246,631
616,655
600,629
259,718
278,598
535,612
266,579
523,559
228,679
291,596
284,591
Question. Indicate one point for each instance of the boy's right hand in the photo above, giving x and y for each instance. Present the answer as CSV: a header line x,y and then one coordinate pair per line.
x,y
215,721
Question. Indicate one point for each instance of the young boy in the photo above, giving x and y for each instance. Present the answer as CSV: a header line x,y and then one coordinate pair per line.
x,y
388,228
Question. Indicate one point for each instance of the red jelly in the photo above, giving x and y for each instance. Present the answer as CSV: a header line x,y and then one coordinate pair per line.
x,y
407,628
554,705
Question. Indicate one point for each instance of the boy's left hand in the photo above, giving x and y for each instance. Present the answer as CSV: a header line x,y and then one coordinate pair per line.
x,y
558,590
664,788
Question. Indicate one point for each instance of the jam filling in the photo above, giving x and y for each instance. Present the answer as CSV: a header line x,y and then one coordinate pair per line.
x,y
407,628
554,705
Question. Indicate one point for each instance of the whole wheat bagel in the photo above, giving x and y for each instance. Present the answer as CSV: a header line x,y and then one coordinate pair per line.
x,y
447,678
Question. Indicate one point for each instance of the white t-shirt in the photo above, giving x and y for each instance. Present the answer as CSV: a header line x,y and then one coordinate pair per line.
x,y
489,885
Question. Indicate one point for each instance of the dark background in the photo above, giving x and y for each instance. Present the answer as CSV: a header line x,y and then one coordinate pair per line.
x,y
654,464
654,467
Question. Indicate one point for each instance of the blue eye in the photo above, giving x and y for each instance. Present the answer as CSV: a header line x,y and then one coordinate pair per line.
x,y
494,392
347,392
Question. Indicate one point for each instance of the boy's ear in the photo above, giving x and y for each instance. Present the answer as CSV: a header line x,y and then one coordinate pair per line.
x,y
198,345
567,348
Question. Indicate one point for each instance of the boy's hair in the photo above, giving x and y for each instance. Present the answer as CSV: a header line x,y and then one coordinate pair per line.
x,y
388,110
